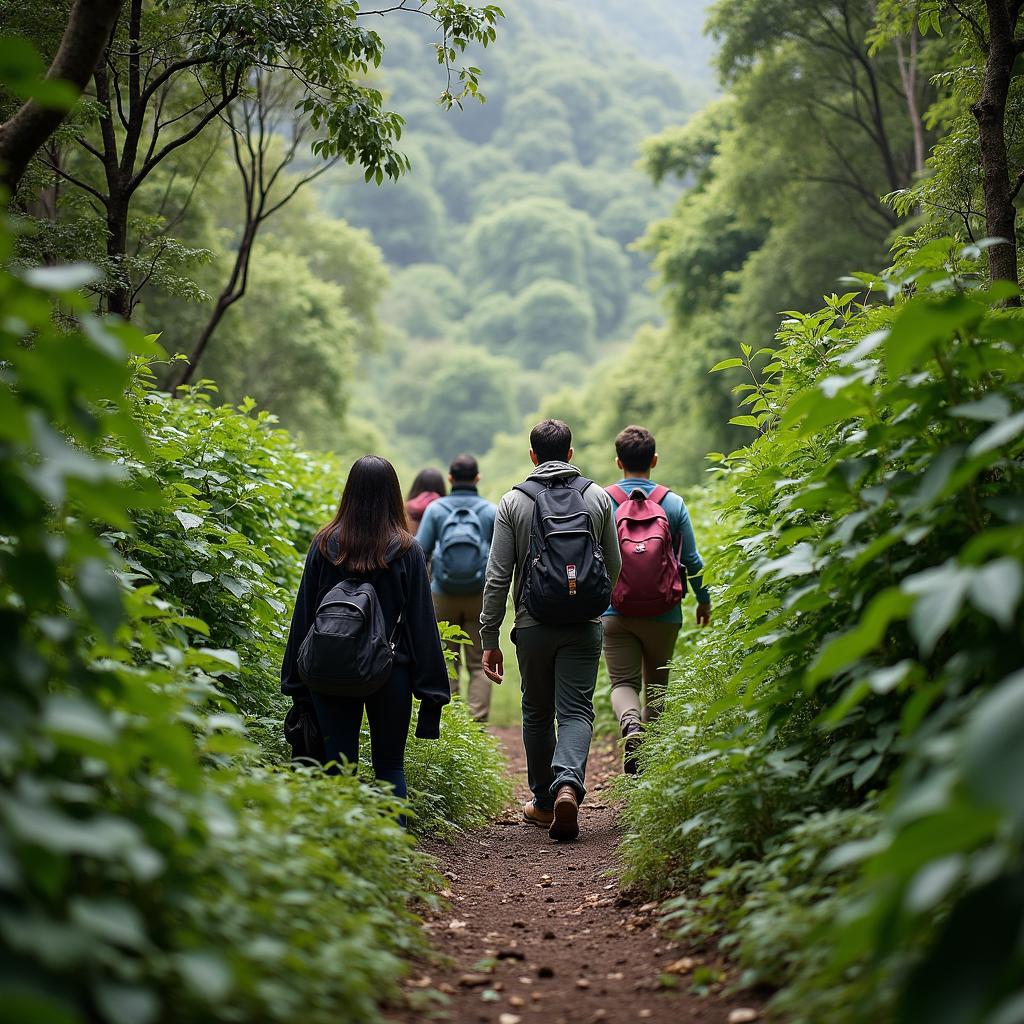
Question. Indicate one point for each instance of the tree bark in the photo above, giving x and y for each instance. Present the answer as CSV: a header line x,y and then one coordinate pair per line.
x,y
908,77
85,37
119,300
990,113
230,294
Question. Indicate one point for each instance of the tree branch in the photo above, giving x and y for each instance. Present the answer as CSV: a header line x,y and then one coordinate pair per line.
x,y
182,140
23,134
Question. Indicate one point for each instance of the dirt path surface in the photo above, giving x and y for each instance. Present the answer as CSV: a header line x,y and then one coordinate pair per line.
x,y
539,931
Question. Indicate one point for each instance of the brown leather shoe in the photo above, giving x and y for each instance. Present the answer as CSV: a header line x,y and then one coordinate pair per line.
x,y
537,815
565,826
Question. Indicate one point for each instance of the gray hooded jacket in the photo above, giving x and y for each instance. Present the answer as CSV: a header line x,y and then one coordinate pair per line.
x,y
511,546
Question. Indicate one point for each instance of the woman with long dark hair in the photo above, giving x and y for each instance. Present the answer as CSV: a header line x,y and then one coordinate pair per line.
x,y
427,486
369,540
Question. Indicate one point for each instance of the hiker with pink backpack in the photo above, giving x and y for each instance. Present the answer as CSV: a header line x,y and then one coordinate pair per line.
x,y
659,554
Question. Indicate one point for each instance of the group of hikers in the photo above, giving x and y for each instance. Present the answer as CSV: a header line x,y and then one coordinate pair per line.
x,y
593,569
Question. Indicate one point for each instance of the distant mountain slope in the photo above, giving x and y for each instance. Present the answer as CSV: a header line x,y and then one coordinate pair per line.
x,y
510,240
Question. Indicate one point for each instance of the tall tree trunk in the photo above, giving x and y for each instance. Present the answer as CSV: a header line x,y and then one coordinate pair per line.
x,y
120,299
85,37
990,113
908,77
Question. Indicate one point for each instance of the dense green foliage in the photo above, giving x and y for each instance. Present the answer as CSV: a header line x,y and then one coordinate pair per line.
x,y
511,238
838,758
833,794
156,863
783,176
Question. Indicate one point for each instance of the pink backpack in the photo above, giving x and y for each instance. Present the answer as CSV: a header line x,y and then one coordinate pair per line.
x,y
415,507
650,582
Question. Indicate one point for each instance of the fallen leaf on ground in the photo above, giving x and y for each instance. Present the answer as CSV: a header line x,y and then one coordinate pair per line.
x,y
681,966
743,1015
456,925
423,982
582,983
516,1001
472,980
509,1018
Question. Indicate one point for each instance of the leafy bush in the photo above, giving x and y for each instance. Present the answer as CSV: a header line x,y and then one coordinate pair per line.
x,y
154,866
869,643
239,504
456,782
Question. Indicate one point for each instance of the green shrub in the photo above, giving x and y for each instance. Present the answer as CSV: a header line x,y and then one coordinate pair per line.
x,y
239,504
456,782
868,652
153,865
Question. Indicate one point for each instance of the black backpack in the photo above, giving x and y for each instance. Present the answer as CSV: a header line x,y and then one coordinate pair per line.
x,y
347,652
564,580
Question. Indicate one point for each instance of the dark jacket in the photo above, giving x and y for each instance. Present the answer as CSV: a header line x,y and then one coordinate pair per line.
x,y
402,585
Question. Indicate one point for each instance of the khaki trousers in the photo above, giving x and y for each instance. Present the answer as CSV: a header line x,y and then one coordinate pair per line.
x,y
463,610
637,652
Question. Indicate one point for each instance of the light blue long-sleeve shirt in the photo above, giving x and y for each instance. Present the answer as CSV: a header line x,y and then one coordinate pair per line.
x,y
437,512
683,541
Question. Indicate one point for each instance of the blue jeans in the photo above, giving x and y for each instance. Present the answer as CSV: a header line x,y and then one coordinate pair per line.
x,y
388,711
558,665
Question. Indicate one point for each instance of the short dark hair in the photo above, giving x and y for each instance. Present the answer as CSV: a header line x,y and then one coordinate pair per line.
x,y
464,469
551,441
635,448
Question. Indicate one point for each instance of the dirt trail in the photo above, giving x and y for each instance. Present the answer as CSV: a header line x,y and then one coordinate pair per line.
x,y
539,931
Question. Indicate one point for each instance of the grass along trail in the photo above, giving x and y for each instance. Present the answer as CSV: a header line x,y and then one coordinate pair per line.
x,y
540,931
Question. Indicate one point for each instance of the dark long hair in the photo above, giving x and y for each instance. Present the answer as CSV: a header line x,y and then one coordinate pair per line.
x,y
428,479
371,522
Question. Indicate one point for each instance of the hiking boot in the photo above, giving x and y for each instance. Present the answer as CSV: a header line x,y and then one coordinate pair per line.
x,y
537,815
632,737
566,824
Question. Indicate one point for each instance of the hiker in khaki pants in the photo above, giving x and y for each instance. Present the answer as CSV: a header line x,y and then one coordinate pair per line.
x,y
463,610
659,554
455,534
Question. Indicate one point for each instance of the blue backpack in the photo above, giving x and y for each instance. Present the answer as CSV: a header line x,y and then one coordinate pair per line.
x,y
459,561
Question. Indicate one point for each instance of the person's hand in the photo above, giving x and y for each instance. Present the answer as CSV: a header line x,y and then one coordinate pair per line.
x,y
494,665
704,615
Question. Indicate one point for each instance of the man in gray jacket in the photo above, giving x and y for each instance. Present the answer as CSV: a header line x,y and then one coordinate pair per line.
x,y
558,664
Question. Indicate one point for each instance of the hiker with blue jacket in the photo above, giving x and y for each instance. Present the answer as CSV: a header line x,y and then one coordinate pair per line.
x,y
455,533
554,538
363,634
659,555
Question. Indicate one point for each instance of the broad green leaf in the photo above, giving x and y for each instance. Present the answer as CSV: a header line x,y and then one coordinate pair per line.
x,y
992,408
993,752
939,595
844,650
996,590
189,520
998,435
111,920
923,322
726,364
127,1004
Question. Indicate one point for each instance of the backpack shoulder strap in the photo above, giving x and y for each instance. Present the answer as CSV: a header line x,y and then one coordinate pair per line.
x,y
580,483
618,495
531,488
659,494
